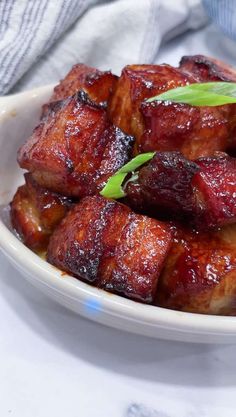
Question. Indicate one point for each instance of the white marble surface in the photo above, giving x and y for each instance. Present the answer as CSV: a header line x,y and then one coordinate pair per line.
x,y
54,363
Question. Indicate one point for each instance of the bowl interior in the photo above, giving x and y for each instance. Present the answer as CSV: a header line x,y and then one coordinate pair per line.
x,y
18,116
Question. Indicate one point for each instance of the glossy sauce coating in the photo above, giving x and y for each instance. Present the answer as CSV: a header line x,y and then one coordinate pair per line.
x,y
170,126
75,149
195,131
137,83
165,184
107,244
35,212
200,272
207,68
97,84
214,187
201,192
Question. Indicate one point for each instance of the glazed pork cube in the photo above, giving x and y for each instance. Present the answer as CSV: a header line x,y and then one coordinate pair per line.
x,y
200,273
75,149
167,126
137,83
194,131
97,84
35,212
164,185
207,68
214,188
103,242
202,192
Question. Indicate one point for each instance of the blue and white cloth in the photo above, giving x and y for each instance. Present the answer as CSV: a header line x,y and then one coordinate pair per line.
x,y
41,39
223,13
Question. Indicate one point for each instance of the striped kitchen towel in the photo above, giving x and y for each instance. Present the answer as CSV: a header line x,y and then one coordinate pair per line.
x,y
223,13
41,39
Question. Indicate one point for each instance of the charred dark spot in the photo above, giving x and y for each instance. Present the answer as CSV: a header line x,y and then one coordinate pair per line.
x,y
69,165
82,97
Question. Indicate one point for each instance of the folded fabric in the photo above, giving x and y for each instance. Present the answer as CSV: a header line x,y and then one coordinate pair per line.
x,y
30,27
223,13
42,39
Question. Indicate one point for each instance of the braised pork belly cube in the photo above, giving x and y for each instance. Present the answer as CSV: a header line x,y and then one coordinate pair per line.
x,y
75,149
164,185
200,273
136,199
137,83
195,131
202,192
163,188
207,68
214,188
35,212
166,126
103,242
97,84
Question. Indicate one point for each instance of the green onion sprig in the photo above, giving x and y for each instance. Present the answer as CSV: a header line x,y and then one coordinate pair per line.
x,y
113,187
200,94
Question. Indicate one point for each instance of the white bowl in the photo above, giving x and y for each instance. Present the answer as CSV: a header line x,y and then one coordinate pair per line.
x,y
18,115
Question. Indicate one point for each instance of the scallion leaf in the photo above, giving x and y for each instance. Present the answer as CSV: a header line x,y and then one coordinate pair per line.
x,y
200,94
113,187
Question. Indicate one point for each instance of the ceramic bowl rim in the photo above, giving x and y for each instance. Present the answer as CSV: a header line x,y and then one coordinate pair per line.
x,y
111,304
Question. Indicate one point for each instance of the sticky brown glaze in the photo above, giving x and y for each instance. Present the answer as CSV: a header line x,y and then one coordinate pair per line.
x,y
207,68
35,212
164,185
136,83
75,149
103,242
200,273
202,192
195,131
210,69
166,126
135,197
97,84
214,188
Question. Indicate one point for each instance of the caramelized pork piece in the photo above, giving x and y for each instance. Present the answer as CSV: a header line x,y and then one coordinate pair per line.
x,y
202,192
200,273
75,149
164,184
207,69
97,84
214,188
136,199
195,131
137,83
35,212
166,126
103,242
